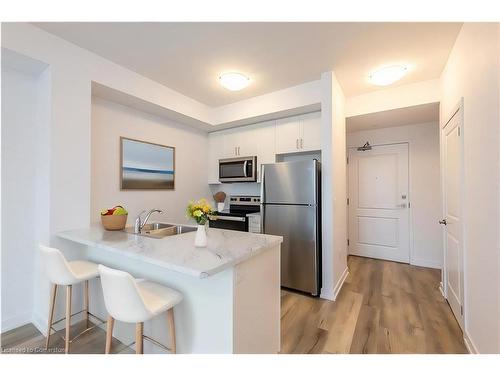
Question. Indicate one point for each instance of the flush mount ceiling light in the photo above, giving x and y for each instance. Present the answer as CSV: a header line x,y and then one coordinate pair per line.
x,y
234,81
388,75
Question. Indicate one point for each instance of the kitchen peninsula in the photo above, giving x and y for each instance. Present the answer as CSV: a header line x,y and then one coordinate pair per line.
x,y
231,288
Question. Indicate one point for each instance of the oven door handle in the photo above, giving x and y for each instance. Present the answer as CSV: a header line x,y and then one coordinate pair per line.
x,y
245,168
230,218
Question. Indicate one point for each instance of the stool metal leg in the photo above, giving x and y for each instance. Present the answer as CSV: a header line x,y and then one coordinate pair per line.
x,y
139,329
68,317
109,333
171,328
52,302
86,302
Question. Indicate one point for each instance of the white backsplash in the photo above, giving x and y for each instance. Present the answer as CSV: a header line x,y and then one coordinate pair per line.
x,y
237,188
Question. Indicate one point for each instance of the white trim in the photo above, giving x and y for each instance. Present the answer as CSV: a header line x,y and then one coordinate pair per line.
x,y
327,293
426,263
339,284
15,321
441,289
458,110
469,344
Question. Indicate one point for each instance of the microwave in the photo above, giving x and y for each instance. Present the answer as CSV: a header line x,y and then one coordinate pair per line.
x,y
242,169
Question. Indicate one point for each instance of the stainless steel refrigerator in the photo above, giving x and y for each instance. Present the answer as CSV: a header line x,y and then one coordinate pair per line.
x,y
291,207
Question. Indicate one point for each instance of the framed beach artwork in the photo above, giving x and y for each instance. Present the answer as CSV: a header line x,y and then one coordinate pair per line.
x,y
146,165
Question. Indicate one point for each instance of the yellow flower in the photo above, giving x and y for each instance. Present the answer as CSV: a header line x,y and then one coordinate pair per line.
x,y
197,213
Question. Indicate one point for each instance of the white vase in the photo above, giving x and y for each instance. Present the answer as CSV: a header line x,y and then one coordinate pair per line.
x,y
200,240
220,206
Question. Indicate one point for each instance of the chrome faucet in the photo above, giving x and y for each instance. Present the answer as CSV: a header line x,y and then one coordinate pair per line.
x,y
139,223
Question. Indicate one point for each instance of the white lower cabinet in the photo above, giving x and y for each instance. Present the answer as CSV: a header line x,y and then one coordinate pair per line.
x,y
264,140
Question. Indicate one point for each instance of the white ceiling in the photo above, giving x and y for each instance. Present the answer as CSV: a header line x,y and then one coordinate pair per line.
x,y
418,114
188,57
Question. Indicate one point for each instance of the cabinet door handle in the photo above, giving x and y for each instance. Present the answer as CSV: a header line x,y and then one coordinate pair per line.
x,y
235,151
297,143
301,142
238,150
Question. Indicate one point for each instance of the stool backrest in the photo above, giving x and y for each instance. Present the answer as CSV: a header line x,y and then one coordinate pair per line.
x,y
56,267
122,297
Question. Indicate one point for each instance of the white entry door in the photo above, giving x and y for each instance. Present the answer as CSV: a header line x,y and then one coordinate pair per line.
x,y
452,199
379,202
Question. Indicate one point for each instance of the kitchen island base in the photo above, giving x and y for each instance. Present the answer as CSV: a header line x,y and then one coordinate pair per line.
x,y
236,310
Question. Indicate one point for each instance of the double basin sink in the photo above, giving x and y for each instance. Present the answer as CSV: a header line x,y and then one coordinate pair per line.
x,y
160,230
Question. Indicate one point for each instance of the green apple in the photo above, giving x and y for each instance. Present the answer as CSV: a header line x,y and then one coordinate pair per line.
x,y
119,210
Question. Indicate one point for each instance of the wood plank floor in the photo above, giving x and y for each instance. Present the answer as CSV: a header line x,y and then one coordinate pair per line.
x,y
383,307
28,339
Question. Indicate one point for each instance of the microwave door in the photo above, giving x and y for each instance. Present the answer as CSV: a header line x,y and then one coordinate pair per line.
x,y
237,169
233,169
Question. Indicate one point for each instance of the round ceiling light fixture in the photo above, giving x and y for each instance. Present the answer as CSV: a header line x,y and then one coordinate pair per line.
x,y
388,75
234,81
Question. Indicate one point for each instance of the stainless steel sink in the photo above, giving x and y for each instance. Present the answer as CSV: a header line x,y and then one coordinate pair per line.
x,y
160,230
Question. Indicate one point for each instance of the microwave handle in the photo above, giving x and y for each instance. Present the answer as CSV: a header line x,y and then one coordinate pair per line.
x,y
245,168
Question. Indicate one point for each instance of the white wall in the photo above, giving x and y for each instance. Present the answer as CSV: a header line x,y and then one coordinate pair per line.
x,y
282,103
393,97
426,247
68,165
473,72
110,121
334,194
23,178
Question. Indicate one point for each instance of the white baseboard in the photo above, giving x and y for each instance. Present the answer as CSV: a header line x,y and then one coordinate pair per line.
x,y
327,294
469,344
15,321
441,289
426,263
339,284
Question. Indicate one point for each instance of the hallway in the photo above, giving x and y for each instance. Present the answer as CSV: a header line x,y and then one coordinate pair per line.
x,y
383,307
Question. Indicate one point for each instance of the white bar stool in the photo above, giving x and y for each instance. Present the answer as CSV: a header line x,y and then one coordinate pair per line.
x,y
62,272
136,301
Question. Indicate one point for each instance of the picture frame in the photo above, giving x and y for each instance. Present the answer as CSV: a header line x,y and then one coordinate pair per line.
x,y
146,165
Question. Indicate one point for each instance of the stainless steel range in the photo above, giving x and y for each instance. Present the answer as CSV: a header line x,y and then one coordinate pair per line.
x,y
235,218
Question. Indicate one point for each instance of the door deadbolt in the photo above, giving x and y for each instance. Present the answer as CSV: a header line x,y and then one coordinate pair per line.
x,y
443,222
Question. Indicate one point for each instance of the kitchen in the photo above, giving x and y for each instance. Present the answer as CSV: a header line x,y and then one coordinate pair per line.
x,y
233,205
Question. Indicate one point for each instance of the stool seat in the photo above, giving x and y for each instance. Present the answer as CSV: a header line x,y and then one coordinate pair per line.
x,y
60,272
157,298
133,300
83,270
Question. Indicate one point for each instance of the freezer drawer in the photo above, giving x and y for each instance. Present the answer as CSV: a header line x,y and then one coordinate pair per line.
x,y
300,248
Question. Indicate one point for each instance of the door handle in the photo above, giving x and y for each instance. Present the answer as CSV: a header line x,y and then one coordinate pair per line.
x,y
443,222
301,143
402,205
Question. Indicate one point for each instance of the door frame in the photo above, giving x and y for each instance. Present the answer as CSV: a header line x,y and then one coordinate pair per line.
x,y
410,216
457,110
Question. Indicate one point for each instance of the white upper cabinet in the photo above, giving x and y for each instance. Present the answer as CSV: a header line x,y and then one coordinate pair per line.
x,y
230,143
288,133
264,140
266,145
311,132
248,140
298,133
252,140
215,152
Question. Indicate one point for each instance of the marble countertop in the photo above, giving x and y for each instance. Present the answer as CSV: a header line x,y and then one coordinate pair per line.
x,y
225,248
